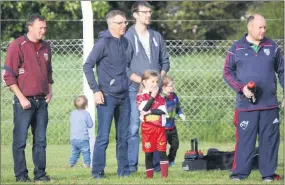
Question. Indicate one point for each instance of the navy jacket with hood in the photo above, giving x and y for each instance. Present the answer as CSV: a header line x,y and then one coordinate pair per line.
x,y
243,64
109,54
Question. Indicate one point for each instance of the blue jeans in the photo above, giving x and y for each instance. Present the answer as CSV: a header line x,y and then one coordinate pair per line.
x,y
77,146
134,138
37,117
119,109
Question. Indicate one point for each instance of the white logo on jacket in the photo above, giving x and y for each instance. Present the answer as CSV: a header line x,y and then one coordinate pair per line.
x,y
267,51
243,124
112,81
275,121
46,56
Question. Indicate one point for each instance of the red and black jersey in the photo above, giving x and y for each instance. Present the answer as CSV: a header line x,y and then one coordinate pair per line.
x,y
159,103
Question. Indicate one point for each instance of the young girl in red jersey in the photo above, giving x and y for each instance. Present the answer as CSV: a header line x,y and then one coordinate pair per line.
x,y
153,115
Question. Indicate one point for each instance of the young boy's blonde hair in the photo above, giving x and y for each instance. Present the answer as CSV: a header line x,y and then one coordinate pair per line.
x,y
83,105
166,80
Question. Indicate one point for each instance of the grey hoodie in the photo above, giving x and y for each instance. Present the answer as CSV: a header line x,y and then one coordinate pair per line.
x,y
139,62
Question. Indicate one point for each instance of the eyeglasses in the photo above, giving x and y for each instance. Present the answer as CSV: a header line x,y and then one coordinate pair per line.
x,y
150,12
121,23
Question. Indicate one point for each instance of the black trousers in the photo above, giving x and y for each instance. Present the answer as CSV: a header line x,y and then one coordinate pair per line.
x,y
173,140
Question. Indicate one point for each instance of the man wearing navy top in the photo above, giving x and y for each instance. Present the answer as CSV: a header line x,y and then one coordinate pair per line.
x,y
255,58
109,55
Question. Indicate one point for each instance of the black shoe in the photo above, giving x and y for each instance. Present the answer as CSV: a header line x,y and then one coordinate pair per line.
x,y
23,179
44,178
100,175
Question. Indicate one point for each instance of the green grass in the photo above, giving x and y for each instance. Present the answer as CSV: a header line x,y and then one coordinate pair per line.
x,y
57,168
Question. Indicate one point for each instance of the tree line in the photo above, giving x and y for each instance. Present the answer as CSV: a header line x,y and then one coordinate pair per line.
x,y
195,20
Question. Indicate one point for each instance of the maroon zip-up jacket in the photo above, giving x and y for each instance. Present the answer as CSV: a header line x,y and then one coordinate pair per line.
x,y
36,69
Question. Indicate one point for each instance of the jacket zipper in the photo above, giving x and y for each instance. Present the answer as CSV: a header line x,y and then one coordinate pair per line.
x,y
38,57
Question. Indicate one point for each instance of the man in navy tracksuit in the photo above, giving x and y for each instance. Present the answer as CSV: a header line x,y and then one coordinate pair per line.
x,y
255,58
111,94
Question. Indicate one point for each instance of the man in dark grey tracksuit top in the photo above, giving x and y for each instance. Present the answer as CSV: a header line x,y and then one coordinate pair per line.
x,y
255,58
147,51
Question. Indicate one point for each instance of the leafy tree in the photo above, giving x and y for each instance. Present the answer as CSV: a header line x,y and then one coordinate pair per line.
x,y
195,18
53,10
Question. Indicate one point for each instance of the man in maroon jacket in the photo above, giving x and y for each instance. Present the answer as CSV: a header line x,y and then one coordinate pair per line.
x,y
28,74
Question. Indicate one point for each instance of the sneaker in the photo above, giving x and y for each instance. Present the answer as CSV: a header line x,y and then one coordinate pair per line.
x,y
275,177
25,178
133,169
235,179
44,178
71,166
171,163
100,175
157,170
268,179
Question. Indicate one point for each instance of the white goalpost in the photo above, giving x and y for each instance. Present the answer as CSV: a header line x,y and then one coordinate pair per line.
x,y
88,42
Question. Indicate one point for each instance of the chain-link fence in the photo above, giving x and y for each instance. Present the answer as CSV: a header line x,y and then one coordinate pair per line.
x,y
196,66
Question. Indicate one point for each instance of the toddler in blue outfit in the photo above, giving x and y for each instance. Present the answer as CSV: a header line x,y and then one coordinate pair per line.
x,y
80,121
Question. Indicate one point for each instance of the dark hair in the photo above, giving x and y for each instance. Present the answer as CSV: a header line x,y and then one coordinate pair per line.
x,y
32,18
83,105
114,13
251,17
136,5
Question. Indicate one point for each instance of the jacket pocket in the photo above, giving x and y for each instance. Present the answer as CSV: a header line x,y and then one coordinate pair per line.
x,y
118,84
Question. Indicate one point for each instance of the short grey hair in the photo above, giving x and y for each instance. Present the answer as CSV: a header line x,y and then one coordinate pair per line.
x,y
112,14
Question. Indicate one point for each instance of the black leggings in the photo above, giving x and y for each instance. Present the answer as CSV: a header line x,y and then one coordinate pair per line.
x,y
149,158
173,140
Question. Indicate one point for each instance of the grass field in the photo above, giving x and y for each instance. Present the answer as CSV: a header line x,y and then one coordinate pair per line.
x,y
58,169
